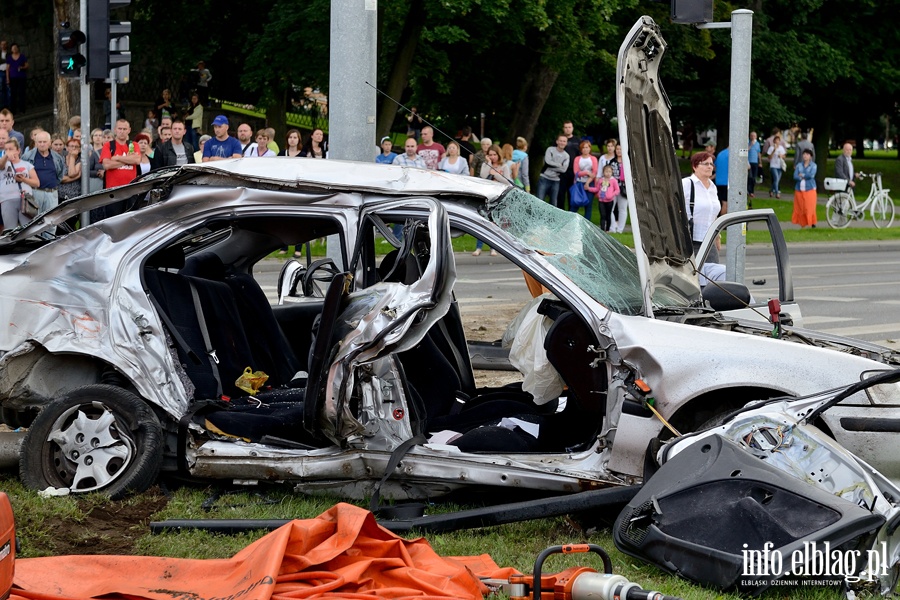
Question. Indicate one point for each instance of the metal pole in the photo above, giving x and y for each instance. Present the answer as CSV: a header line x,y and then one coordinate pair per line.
x,y
86,147
351,102
738,134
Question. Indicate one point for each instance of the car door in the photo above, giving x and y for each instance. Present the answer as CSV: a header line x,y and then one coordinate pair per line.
x,y
766,268
377,322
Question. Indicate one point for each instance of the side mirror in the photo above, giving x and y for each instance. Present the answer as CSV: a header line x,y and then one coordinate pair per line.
x,y
726,295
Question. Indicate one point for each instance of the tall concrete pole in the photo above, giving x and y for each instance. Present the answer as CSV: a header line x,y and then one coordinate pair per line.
x,y
351,102
738,134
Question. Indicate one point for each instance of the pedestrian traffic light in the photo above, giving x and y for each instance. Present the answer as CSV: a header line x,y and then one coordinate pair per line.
x,y
70,60
100,32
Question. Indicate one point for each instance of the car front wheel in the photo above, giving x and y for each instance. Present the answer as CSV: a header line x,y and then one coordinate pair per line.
x,y
98,438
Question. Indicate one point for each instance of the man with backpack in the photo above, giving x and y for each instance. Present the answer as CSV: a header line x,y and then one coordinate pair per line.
x,y
120,159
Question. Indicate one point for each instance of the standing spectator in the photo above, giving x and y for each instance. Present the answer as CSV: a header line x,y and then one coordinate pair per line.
x,y
497,169
722,179
198,155
50,168
4,87
803,144
520,157
120,157
74,125
466,147
606,189
292,147
245,137
273,145
572,149
164,106
415,123
8,123
165,134
203,79
776,165
556,163
476,161
177,151
4,137
16,176
584,169
149,156
151,123
843,165
610,154
16,72
753,150
58,145
387,155
506,151
805,191
453,162
767,144
95,181
70,185
620,210
701,200
108,136
410,157
262,144
222,146
430,151
315,146
194,117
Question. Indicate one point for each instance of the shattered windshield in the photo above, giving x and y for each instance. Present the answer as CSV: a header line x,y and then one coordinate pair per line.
x,y
594,261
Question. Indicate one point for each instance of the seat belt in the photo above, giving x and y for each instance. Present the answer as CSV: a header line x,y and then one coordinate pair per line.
x,y
174,331
210,351
398,453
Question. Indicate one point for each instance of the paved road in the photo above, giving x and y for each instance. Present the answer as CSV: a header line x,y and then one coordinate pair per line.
x,y
847,289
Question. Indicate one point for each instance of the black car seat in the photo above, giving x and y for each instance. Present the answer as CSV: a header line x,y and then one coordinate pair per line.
x,y
269,346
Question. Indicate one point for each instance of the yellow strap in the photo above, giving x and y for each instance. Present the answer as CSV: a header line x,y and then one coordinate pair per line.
x,y
662,419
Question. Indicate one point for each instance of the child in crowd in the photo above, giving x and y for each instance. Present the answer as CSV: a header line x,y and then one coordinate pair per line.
x,y
606,188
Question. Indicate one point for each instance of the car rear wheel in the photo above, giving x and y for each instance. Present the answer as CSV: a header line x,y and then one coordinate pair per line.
x,y
98,438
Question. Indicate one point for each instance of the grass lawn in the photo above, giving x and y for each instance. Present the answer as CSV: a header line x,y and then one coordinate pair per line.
x,y
47,527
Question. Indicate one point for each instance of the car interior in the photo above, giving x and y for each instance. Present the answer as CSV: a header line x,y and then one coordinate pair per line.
x,y
220,321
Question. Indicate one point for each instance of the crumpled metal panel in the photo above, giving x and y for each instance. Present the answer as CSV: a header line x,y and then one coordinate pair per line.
x,y
83,294
426,471
388,318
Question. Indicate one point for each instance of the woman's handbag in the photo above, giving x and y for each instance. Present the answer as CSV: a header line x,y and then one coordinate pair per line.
x,y
578,196
29,206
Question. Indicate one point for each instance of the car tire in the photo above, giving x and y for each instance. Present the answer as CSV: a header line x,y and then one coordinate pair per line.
x,y
98,438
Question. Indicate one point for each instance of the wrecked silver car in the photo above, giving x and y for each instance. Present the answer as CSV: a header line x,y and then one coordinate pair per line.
x,y
126,339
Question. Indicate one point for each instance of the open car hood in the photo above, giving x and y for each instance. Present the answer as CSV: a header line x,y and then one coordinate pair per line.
x,y
656,202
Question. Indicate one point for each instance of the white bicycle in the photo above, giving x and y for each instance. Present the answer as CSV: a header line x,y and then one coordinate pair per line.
x,y
842,207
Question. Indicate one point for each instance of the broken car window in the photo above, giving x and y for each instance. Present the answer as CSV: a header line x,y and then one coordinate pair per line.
x,y
593,260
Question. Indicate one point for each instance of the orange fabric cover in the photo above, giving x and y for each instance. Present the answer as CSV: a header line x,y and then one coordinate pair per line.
x,y
342,553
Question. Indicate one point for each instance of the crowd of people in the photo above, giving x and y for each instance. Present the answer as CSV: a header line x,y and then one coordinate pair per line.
x,y
570,170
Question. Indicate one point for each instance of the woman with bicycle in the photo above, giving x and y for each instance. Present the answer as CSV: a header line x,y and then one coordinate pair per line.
x,y
805,191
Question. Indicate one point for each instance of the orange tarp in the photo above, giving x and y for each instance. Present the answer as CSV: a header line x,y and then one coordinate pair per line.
x,y
342,553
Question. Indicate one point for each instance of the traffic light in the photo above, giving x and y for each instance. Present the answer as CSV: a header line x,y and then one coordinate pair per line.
x,y
70,60
100,32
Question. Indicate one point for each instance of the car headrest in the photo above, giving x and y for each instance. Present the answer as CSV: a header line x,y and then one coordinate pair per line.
x,y
167,258
206,265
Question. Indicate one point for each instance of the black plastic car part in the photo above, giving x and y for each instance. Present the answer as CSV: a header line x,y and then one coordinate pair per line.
x,y
708,514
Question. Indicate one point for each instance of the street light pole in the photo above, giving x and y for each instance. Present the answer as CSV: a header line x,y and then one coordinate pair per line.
x,y
738,134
